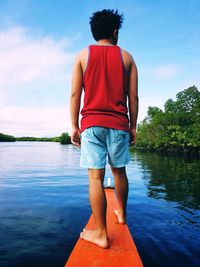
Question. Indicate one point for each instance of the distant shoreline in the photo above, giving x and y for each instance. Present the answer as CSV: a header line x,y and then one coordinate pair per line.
x,y
64,138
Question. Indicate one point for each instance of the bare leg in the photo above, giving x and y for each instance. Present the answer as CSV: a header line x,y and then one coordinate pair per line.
x,y
121,189
98,205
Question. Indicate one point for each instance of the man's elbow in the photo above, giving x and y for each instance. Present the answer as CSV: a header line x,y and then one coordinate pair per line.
x,y
75,95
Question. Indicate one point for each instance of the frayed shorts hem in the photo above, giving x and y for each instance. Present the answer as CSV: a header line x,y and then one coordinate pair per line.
x,y
118,166
92,167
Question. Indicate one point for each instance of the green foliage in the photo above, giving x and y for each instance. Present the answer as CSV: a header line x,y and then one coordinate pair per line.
x,y
6,138
65,139
178,126
45,139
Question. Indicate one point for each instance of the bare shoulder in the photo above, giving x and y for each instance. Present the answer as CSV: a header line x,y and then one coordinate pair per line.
x,y
128,60
126,54
82,54
82,57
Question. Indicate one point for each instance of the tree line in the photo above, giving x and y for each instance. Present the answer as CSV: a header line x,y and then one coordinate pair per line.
x,y
64,138
175,128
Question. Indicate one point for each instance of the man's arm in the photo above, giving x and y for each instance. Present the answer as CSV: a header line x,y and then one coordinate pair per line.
x,y
133,100
75,101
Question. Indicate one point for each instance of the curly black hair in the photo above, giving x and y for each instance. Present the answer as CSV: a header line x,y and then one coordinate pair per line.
x,y
103,23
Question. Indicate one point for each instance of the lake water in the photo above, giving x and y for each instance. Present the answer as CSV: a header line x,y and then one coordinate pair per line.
x,y
44,205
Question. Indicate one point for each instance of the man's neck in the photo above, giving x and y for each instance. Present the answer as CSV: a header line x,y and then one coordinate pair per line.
x,y
105,42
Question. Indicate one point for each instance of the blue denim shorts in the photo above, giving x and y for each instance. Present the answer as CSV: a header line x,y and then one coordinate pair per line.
x,y
99,144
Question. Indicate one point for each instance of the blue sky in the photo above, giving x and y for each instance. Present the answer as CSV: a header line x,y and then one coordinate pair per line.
x,y
39,40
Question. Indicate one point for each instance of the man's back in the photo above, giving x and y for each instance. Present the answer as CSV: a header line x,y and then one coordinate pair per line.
x,y
105,81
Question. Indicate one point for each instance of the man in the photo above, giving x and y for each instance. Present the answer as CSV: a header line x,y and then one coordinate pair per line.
x,y
108,75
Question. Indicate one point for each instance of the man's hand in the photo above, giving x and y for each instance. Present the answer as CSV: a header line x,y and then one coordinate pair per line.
x,y
133,136
76,137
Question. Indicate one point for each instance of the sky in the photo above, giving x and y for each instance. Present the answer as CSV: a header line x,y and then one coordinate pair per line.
x,y
40,39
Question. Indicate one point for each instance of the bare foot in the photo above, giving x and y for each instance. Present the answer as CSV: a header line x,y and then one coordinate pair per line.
x,y
121,218
94,237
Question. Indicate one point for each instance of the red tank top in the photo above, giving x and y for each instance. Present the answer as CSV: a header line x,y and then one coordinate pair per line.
x,y
105,85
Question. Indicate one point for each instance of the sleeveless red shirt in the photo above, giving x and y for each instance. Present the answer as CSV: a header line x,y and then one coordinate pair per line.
x,y
105,85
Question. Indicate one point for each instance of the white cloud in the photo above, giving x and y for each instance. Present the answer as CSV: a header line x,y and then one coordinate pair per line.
x,y
165,71
3,97
25,59
28,66
34,121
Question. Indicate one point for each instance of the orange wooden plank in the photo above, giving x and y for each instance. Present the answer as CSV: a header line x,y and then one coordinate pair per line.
x,y
122,251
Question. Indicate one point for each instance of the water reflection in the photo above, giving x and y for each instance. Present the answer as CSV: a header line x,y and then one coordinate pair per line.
x,y
172,178
44,205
